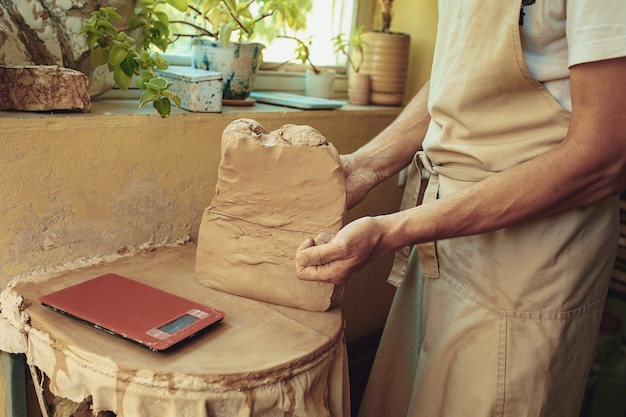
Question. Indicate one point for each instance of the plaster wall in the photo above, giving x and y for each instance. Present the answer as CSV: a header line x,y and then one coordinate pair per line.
x,y
81,188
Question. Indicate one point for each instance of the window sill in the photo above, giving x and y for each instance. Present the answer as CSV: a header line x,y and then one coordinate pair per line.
x,y
116,104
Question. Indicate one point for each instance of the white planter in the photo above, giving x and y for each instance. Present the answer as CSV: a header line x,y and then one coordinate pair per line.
x,y
319,85
238,64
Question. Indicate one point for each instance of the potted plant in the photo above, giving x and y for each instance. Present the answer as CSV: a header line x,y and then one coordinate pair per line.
x,y
239,60
385,59
318,82
126,59
358,82
219,21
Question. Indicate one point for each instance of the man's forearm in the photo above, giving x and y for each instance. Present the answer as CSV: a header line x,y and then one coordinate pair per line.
x,y
393,148
588,166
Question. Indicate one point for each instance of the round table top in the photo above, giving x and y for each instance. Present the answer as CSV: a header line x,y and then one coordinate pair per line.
x,y
255,341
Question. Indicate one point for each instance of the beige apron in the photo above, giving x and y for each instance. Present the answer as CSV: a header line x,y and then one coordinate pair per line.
x,y
503,323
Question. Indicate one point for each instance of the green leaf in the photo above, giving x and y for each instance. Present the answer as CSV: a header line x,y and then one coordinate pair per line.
x,y
148,95
105,25
158,83
121,79
99,56
135,22
160,28
163,18
180,5
162,44
163,106
161,63
210,5
112,14
244,11
146,75
140,83
117,55
217,17
172,96
224,34
91,40
128,66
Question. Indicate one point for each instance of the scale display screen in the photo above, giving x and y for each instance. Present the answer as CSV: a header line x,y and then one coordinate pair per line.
x,y
178,324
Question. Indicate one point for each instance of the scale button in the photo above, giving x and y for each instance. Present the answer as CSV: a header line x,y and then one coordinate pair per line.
x,y
198,313
157,334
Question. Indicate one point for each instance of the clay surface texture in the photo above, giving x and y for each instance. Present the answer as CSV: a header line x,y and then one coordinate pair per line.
x,y
274,190
43,88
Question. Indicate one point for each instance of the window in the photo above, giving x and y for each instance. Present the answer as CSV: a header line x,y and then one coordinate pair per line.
x,y
327,19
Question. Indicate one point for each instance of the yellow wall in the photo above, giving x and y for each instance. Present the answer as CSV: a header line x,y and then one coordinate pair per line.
x,y
78,186
418,18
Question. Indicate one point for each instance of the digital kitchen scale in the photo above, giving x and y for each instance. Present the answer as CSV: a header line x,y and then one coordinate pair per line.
x,y
133,310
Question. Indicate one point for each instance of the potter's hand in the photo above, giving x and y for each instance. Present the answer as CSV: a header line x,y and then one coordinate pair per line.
x,y
359,180
335,259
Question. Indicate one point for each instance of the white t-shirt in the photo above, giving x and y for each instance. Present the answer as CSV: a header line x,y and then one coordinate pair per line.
x,y
557,34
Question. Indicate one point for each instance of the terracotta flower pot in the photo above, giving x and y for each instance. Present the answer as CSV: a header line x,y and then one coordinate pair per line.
x,y
385,59
359,89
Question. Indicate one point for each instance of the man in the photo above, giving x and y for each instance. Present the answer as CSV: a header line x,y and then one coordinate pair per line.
x,y
523,131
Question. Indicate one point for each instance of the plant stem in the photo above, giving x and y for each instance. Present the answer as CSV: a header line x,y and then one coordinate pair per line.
x,y
386,14
233,14
200,29
307,53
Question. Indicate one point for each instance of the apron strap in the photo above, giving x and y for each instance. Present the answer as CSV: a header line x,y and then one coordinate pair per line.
x,y
410,198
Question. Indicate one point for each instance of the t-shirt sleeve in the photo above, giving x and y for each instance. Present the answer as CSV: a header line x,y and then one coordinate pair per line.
x,y
596,30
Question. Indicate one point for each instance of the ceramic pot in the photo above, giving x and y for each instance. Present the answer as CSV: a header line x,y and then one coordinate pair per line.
x,y
359,89
319,85
45,32
238,63
386,59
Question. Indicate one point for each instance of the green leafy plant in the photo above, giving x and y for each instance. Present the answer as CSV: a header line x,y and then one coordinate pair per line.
x,y
125,59
351,47
152,24
302,51
243,19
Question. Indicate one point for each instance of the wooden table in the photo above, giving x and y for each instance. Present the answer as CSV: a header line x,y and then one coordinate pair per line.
x,y
262,360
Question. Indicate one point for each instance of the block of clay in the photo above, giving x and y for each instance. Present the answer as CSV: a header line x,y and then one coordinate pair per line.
x,y
274,190
43,88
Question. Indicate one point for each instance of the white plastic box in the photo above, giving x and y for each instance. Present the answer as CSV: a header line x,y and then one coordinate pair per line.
x,y
199,90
